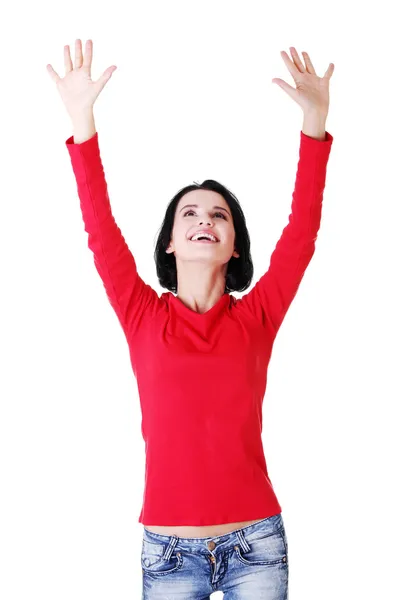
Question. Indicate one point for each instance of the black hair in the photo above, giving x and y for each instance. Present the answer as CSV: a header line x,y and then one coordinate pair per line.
x,y
240,270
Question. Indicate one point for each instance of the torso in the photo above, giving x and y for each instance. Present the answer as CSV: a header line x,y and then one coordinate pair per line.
x,y
201,531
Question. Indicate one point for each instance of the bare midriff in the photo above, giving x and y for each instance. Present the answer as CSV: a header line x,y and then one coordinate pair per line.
x,y
201,531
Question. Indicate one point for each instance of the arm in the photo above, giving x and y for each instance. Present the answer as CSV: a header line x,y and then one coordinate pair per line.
x,y
126,291
272,295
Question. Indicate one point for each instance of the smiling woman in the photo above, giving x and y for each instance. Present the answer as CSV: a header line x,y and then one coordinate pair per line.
x,y
208,206
201,281
201,357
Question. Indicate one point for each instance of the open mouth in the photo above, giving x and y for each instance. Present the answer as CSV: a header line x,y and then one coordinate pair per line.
x,y
205,238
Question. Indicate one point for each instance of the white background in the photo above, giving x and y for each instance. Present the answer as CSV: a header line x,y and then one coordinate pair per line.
x,y
192,99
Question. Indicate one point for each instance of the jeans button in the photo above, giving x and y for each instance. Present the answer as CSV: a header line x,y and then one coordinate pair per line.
x,y
211,545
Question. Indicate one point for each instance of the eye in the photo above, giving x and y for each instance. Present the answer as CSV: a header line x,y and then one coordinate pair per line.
x,y
217,213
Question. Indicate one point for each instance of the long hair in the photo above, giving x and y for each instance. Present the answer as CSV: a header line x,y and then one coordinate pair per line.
x,y
240,270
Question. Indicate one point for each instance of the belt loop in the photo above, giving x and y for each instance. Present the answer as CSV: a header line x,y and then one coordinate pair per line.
x,y
242,541
170,548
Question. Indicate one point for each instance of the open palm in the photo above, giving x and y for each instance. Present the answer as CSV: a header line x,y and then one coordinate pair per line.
x,y
311,92
77,89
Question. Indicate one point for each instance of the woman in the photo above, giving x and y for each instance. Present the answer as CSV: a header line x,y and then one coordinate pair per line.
x,y
211,518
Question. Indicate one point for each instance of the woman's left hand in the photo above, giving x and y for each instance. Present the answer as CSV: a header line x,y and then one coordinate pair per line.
x,y
312,92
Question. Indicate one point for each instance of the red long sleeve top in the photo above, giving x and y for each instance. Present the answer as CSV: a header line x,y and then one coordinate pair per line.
x,y
205,463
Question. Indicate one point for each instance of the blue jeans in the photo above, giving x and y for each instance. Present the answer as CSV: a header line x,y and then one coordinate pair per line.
x,y
250,563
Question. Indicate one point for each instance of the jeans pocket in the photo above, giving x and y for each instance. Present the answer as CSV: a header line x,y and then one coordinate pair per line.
x,y
283,534
154,562
264,549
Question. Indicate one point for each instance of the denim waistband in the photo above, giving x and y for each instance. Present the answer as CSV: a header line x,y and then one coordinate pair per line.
x,y
266,526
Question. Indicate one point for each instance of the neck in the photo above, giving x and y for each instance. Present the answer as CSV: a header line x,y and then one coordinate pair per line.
x,y
199,289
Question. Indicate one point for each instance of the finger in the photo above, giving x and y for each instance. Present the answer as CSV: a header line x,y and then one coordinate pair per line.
x,y
55,77
308,63
102,80
87,61
78,54
292,92
67,60
292,69
297,59
329,71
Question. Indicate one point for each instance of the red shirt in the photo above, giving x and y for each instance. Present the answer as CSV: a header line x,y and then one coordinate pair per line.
x,y
202,377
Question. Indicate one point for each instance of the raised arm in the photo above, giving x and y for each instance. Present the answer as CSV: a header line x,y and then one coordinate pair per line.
x,y
126,291
272,295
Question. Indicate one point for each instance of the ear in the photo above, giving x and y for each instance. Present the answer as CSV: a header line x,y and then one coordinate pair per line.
x,y
236,254
169,249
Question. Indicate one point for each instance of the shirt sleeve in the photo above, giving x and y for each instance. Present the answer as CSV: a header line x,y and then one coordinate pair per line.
x,y
270,298
127,293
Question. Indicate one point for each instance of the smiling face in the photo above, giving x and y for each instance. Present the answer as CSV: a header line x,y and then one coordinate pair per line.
x,y
197,210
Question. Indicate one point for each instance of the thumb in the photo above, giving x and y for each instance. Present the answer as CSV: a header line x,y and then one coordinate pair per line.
x,y
286,87
102,80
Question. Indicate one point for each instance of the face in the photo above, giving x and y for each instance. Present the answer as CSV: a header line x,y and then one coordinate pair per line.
x,y
212,213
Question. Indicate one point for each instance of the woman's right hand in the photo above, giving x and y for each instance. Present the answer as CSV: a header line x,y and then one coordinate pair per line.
x,y
77,90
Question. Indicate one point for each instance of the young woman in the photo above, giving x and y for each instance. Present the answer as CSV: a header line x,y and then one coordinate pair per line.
x,y
210,515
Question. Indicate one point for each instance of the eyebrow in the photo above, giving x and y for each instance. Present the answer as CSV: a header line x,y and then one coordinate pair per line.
x,y
197,206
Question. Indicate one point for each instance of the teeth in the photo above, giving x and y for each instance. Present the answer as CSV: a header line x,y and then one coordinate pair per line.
x,y
207,235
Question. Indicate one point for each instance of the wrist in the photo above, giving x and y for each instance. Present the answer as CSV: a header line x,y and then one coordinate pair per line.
x,y
82,116
314,124
83,126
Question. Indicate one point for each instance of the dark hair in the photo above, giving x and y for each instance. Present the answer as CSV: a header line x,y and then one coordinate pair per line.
x,y
240,270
